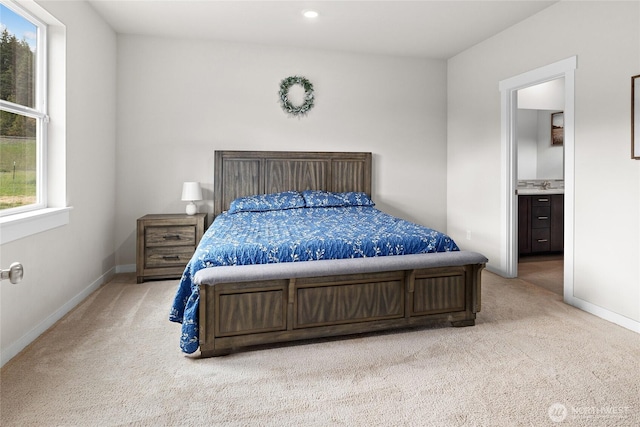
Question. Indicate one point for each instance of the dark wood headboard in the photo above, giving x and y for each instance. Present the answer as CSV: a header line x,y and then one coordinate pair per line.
x,y
245,173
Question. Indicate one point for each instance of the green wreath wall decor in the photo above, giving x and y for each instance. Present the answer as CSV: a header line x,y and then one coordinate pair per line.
x,y
309,98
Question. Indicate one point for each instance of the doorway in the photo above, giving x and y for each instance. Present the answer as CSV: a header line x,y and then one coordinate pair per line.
x,y
540,186
509,179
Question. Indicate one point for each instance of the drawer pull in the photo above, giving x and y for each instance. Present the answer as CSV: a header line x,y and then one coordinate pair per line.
x,y
543,200
170,257
171,237
542,240
543,217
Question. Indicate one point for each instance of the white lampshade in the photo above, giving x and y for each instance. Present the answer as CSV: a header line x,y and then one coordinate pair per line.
x,y
191,192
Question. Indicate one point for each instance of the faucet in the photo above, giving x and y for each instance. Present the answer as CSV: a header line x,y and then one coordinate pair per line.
x,y
546,185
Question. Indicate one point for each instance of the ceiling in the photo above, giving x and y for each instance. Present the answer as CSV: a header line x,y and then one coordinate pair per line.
x,y
428,28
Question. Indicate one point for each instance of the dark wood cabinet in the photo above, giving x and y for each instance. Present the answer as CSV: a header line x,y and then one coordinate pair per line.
x,y
557,223
524,225
540,223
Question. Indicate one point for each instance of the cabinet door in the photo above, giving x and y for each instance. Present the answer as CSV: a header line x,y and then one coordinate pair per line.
x,y
524,225
557,223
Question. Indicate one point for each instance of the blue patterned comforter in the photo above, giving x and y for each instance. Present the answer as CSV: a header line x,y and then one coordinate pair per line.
x,y
298,234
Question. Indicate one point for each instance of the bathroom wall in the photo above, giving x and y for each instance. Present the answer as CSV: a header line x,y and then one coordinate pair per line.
x,y
537,157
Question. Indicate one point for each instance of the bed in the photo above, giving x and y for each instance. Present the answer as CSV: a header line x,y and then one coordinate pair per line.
x,y
247,286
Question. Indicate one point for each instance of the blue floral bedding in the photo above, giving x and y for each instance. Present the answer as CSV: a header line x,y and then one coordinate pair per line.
x,y
337,226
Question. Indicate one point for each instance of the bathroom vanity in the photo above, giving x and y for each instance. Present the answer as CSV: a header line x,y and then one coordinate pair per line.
x,y
540,221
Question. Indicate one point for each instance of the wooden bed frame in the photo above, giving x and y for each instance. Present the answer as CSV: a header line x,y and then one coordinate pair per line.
x,y
243,306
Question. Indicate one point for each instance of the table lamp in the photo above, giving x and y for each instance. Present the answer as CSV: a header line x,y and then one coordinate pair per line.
x,y
191,192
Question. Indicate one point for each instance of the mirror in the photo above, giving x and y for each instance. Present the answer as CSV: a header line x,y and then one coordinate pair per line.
x,y
540,155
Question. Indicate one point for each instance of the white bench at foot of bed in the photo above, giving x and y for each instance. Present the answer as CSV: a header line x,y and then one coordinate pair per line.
x,y
242,306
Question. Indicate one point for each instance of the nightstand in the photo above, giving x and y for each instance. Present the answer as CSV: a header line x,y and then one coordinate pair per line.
x,y
165,243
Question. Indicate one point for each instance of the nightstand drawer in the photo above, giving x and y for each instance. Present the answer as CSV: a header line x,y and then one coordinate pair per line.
x,y
173,256
170,236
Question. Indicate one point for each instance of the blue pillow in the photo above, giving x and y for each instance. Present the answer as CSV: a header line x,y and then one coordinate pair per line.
x,y
324,199
267,202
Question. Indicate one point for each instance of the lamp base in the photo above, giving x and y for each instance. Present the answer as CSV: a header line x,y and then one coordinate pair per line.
x,y
192,209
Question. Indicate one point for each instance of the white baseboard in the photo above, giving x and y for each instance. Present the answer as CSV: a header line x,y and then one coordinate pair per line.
x,y
34,333
590,308
603,313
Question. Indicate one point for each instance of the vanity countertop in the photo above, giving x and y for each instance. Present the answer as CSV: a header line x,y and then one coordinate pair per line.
x,y
536,191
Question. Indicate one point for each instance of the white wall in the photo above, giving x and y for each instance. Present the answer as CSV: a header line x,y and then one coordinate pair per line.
x,y
179,100
64,264
604,36
527,144
543,96
550,157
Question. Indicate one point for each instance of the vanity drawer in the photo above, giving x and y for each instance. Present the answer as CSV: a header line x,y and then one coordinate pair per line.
x,y
540,240
540,217
541,201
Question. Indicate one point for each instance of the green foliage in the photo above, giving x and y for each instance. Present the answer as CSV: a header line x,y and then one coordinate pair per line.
x,y
309,97
17,84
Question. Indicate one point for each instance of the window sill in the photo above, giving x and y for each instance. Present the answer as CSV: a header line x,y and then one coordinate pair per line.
x,y
18,226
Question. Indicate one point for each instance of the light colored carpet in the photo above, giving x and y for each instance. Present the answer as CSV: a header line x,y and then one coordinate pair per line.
x,y
530,360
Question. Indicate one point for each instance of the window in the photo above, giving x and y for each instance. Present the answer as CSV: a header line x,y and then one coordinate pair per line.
x,y
23,110
32,150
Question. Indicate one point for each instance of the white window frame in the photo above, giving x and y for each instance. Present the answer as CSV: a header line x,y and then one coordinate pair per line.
x,y
24,221
39,112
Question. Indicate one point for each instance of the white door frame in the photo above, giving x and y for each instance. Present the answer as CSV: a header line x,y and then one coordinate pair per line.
x,y
509,174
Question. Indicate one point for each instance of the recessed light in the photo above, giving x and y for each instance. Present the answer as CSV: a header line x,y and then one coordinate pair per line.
x,y
311,14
